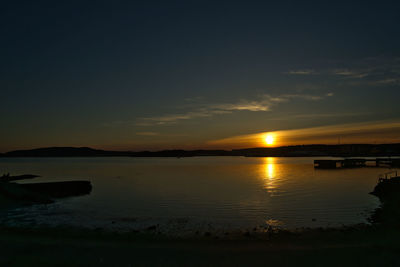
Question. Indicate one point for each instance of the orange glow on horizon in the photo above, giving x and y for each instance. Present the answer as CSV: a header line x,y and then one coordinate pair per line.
x,y
380,132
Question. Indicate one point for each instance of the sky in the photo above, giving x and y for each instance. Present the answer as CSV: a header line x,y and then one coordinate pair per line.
x,y
151,75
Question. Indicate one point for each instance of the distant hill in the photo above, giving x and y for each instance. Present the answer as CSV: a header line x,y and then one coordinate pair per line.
x,y
64,152
348,150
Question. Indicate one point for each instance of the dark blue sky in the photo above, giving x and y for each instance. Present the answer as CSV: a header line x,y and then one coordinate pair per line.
x,y
142,74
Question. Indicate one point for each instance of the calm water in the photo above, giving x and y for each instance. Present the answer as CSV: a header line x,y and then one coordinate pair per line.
x,y
198,193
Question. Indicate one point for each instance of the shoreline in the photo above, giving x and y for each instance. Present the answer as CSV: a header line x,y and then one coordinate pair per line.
x,y
374,244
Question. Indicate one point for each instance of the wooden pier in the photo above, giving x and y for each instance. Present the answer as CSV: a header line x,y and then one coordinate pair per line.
x,y
356,163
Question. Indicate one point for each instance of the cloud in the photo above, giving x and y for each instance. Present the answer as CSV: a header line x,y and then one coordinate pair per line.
x,y
257,105
351,73
306,97
388,81
368,71
173,118
320,115
301,72
147,133
263,103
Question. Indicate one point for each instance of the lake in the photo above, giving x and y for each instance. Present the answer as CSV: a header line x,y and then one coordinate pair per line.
x,y
198,193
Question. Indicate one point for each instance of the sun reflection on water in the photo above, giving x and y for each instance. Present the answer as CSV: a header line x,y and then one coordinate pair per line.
x,y
269,167
269,177
270,171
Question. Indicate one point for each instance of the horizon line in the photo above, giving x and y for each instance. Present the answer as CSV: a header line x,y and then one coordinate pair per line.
x,y
179,149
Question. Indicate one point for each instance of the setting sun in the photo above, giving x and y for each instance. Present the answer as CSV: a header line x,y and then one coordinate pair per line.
x,y
269,139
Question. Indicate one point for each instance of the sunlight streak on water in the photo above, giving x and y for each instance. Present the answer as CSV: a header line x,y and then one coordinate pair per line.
x,y
269,178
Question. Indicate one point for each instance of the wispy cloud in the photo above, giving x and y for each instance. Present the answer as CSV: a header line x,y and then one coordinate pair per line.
x,y
147,133
319,115
351,73
388,81
368,71
262,104
301,72
307,97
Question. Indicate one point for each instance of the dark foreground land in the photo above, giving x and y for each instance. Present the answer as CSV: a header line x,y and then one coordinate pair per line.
x,y
357,246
